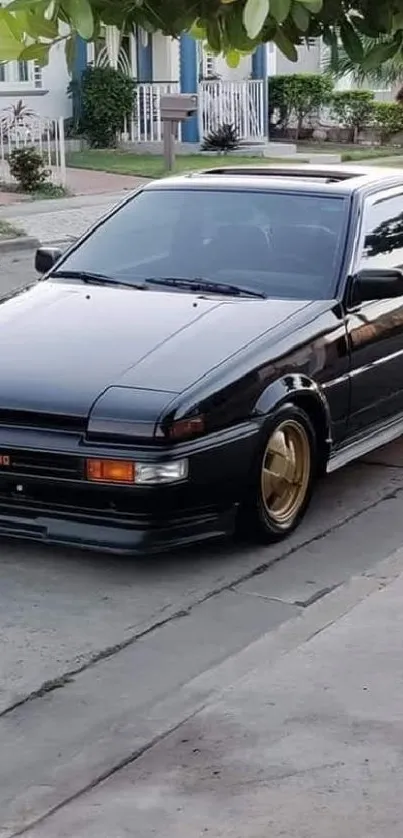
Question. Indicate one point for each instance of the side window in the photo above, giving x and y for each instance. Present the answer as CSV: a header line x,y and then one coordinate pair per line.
x,y
383,244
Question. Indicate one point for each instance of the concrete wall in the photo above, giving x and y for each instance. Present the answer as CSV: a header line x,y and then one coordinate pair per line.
x,y
240,73
308,61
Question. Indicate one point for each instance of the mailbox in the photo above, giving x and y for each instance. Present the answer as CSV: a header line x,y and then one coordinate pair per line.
x,y
177,107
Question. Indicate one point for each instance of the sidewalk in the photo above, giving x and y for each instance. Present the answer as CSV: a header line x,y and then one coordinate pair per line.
x,y
304,740
64,219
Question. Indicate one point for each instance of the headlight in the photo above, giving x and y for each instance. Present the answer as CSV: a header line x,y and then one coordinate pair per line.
x,y
147,474
125,472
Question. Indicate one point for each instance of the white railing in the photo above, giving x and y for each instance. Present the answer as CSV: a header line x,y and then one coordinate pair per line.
x,y
240,103
18,130
144,125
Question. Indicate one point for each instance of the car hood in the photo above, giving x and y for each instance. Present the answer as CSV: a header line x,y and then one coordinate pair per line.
x,y
63,344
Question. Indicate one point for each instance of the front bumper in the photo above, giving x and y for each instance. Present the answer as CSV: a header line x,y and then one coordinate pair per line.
x,y
42,500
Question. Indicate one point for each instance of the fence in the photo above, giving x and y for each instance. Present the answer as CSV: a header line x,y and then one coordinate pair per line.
x,y
241,103
144,124
18,130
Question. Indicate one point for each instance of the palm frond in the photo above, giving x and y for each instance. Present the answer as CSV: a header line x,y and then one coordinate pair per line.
x,y
387,74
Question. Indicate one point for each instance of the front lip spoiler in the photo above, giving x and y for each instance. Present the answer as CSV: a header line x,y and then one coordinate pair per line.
x,y
133,539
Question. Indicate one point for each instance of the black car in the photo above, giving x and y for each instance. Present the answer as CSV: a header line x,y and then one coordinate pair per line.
x,y
201,357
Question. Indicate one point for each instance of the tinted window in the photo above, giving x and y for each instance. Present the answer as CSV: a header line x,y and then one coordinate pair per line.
x,y
383,244
281,244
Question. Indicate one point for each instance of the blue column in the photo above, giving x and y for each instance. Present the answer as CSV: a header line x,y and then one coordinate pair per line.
x,y
144,57
260,71
189,83
79,66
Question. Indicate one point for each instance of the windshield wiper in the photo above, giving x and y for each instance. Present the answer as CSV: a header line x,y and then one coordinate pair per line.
x,y
200,284
92,278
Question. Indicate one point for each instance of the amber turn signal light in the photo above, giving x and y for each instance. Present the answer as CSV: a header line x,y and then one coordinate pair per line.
x,y
110,471
186,428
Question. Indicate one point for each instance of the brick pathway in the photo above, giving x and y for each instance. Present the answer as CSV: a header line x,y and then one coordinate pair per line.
x,y
8,199
88,182
84,182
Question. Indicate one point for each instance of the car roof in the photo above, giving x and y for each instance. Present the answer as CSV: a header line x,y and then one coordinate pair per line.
x,y
339,179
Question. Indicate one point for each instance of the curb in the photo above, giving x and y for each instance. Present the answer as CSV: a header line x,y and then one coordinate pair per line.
x,y
19,243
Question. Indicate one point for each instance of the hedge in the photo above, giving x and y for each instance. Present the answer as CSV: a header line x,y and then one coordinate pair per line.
x,y
301,95
387,118
353,109
298,96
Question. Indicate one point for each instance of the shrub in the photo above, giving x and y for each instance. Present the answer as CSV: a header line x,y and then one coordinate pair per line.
x,y
106,96
353,109
298,96
387,117
27,167
223,139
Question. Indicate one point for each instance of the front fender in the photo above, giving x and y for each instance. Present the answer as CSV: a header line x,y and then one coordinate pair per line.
x,y
302,391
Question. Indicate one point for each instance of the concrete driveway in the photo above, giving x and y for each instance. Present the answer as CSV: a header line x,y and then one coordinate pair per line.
x,y
90,646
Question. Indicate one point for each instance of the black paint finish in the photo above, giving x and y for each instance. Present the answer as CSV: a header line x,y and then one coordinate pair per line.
x,y
105,371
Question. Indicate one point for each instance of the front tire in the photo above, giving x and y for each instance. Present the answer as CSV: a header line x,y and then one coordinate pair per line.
x,y
283,478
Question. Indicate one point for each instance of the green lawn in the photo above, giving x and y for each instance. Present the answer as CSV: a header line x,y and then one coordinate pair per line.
x,y
150,166
350,152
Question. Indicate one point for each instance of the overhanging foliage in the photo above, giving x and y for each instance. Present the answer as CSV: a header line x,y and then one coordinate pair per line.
x,y
231,27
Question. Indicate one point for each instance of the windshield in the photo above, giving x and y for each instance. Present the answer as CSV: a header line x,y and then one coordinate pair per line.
x,y
284,245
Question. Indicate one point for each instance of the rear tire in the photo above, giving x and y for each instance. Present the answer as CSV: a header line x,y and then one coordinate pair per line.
x,y
283,478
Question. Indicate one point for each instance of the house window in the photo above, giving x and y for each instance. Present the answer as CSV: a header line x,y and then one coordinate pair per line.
x,y
20,75
208,65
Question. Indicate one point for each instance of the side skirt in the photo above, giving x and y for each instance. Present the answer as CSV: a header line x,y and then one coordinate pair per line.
x,y
364,444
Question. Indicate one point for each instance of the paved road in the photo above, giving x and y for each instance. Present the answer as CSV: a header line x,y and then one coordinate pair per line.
x,y
90,645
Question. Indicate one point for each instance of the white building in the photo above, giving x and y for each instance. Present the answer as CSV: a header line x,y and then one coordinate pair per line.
x,y
161,64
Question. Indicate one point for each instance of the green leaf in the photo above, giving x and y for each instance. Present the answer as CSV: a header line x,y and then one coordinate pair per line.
x,y
330,39
233,58
285,46
314,6
351,42
15,5
280,9
38,27
36,52
198,32
82,19
214,35
365,27
379,54
300,16
12,23
49,12
398,20
254,15
10,44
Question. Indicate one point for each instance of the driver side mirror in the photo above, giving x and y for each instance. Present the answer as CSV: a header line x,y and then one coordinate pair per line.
x,y
376,284
46,258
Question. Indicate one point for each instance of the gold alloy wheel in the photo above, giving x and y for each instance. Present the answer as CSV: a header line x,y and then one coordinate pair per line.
x,y
286,470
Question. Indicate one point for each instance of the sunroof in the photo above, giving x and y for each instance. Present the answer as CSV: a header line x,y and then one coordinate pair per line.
x,y
328,175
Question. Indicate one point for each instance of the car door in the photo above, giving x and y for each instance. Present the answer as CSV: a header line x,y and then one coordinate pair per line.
x,y
375,328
